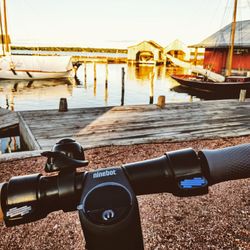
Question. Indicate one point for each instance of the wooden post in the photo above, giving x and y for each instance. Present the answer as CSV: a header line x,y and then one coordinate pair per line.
x,y
151,95
7,101
2,37
107,73
106,84
63,105
161,101
123,86
12,102
242,96
85,74
75,71
106,94
94,71
195,56
94,78
15,146
6,38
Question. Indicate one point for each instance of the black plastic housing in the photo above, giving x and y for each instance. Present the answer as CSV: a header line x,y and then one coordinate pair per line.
x,y
109,212
178,172
29,198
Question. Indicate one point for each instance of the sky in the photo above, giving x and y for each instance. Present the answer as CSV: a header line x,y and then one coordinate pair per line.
x,y
117,23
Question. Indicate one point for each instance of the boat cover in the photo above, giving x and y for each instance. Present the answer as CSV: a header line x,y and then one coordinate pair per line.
x,y
36,63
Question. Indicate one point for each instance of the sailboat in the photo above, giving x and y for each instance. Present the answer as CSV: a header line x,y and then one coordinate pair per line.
x,y
29,67
209,81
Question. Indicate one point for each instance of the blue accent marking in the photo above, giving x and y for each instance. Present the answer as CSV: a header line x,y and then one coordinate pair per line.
x,y
193,183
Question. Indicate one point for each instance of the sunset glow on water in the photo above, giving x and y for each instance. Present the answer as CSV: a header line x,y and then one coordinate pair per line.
x,y
45,94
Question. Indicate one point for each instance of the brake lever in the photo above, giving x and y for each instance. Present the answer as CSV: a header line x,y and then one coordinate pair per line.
x,y
58,161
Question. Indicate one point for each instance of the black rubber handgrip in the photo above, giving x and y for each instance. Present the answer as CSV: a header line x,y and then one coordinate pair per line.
x,y
226,164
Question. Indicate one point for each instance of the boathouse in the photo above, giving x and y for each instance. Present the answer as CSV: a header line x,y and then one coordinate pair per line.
x,y
217,45
146,52
178,50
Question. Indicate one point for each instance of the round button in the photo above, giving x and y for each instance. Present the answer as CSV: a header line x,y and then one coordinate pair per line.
x,y
107,204
108,214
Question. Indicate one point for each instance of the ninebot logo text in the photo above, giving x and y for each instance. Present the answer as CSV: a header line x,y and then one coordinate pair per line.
x,y
104,173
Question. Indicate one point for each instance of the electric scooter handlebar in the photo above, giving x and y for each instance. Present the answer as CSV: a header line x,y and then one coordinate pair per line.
x,y
183,173
225,164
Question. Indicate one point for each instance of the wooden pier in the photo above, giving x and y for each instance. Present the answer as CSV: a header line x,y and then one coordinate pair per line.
x,y
127,125
8,123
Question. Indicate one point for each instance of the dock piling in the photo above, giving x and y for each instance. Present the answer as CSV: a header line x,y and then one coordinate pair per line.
x,y
242,96
85,74
94,71
161,101
107,72
123,86
94,78
63,105
151,96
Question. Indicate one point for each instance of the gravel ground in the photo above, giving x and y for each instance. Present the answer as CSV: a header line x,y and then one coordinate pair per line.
x,y
219,220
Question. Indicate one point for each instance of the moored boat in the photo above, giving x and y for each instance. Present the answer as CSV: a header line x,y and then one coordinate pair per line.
x,y
21,67
227,54
232,84
35,67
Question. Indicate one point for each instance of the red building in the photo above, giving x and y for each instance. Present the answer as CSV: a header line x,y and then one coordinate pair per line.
x,y
217,46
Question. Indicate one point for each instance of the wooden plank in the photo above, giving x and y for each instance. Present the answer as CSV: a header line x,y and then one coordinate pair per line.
x,y
20,155
141,123
26,135
8,123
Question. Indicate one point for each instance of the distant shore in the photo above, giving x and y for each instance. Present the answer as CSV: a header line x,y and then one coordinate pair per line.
x,y
70,49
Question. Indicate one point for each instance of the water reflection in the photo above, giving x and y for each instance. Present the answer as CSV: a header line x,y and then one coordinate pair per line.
x,y
21,92
10,144
142,73
96,85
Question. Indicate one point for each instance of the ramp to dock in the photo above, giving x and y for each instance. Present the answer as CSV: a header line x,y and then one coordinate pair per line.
x,y
127,125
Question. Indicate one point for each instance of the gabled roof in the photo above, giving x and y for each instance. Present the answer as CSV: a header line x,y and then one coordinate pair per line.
x,y
152,43
221,38
176,45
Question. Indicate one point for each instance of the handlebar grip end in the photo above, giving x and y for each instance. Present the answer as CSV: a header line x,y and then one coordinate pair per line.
x,y
226,164
2,185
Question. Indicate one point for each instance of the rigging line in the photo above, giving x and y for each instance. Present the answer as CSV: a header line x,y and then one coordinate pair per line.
x,y
248,3
1,30
213,57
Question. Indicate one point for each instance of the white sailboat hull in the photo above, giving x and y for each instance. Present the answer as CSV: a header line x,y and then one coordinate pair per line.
x,y
35,67
21,75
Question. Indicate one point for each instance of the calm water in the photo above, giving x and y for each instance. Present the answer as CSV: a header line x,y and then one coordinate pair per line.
x,y
45,94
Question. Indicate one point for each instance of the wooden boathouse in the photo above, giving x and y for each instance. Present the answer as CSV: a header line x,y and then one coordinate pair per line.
x,y
178,50
217,45
146,52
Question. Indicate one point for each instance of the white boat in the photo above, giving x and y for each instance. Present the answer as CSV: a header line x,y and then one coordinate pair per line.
x,y
35,67
30,67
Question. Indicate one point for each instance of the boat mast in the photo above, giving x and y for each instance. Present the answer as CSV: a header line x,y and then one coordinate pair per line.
x,y
1,31
231,45
6,38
